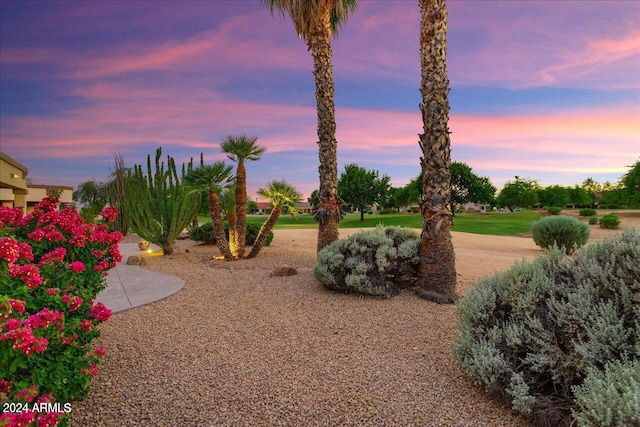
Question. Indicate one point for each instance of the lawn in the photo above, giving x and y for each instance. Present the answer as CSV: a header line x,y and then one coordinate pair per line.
x,y
493,223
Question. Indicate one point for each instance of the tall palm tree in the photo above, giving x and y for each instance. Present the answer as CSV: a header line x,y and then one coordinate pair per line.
x,y
240,149
212,178
285,199
437,259
314,21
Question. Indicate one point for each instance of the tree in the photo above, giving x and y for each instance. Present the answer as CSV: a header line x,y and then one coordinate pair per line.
x,y
522,192
160,205
284,199
579,197
212,178
314,21
409,194
554,195
468,187
361,188
313,199
117,195
239,150
631,183
437,274
94,196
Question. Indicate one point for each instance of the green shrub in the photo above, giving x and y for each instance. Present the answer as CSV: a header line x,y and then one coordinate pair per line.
x,y
204,233
610,221
610,397
374,262
415,210
386,211
537,331
554,210
587,212
593,220
561,231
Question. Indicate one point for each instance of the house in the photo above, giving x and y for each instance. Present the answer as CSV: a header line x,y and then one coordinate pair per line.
x,y
16,191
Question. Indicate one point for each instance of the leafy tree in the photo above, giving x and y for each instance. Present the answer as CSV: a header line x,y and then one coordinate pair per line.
x,y
314,21
212,178
437,273
94,196
631,183
519,193
284,199
361,188
409,194
313,199
579,197
554,195
239,150
160,206
597,191
252,206
468,187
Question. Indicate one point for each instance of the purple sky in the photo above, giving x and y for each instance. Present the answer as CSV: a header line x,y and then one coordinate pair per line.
x,y
548,90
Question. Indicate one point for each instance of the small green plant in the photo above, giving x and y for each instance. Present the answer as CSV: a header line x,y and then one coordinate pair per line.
x,y
593,220
204,233
587,212
374,262
610,397
610,221
561,231
546,334
554,210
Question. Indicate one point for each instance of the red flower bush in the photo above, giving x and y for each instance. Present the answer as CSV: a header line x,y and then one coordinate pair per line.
x,y
52,266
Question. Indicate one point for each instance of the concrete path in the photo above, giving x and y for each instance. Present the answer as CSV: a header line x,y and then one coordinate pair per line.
x,y
130,286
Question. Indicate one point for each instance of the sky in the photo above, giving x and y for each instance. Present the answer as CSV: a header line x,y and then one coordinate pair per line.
x,y
546,90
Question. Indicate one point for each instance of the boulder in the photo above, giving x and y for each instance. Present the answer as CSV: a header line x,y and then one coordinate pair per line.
x,y
135,260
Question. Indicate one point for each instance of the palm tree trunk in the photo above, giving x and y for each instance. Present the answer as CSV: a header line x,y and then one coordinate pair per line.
x,y
265,230
218,228
437,259
328,211
241,212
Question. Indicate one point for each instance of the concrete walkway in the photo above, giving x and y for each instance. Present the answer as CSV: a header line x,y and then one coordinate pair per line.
x,y
130,286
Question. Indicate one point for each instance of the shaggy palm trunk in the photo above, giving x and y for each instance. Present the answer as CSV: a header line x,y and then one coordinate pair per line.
x,y
239,241
265,230
216,223
437,259
328,212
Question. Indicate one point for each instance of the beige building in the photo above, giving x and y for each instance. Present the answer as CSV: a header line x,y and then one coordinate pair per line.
x,y
15,191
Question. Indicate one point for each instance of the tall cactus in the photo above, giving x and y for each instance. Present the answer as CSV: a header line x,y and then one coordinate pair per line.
x,y
159,205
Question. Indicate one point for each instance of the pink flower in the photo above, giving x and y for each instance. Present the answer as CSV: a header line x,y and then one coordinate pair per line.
x,y
99,351
100,312
45,318
27,394
9,250
77,266
18,305
10,215
29,274
91,372
110,213
36,235
102,265
56,255
86,325
74,302
53,291
12,324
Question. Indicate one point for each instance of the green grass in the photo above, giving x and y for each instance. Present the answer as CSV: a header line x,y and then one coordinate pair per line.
x,y
502,224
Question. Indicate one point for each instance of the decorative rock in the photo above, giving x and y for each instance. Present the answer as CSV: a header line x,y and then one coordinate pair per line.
x,y
143,245
135,260
285,270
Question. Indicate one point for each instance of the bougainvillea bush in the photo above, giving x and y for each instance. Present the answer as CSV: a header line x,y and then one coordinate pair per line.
x,y
52,266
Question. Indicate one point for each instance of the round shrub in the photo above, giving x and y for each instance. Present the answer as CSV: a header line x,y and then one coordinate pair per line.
x,y
386,211
538,331
554,210
561,231
610,221
204,233
374,262
587,212
593,220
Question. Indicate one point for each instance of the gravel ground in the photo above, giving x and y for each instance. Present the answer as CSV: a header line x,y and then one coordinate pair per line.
x,y
237,347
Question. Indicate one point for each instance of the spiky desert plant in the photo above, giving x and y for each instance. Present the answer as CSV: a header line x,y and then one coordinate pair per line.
x,y
117,195
160,206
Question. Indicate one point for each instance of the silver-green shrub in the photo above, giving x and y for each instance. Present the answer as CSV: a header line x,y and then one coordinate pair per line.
x,y
609,397
374,262
560,231
534,332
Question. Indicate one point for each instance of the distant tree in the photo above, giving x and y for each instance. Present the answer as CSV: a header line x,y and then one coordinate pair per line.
x,y
285,199
631,183
252,206
361,188
159,204
468,187
579,197
313,199
240,149
519,193
596,190
409,194
554,195
93,195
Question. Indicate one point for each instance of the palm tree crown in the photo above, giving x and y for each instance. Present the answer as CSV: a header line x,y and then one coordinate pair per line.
x,y
282,194
209,177
242,148
305,13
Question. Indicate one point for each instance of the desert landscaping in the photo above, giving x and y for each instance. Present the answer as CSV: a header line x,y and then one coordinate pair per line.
x,y
237,346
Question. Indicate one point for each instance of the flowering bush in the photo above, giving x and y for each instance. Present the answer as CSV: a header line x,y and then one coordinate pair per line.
x,y
52,265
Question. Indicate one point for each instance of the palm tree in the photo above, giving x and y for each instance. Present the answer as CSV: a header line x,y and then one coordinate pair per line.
x,y
285,199
212,178
239,150
314,21
437,275
228,206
